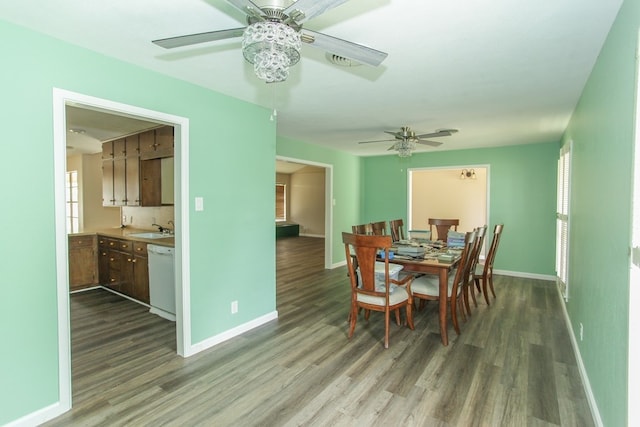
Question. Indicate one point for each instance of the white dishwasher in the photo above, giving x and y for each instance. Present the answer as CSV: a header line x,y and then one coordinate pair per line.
x,y
162,288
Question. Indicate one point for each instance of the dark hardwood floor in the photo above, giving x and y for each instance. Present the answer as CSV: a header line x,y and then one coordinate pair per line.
x,y
512,365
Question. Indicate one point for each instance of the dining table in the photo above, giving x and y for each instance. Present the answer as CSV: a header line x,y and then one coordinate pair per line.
x,y
442,269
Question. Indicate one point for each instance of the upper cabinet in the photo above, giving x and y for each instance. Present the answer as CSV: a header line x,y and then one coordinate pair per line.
x,y
157,143
127,179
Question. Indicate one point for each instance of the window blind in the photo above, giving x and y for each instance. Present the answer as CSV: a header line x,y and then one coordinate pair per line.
x,y
562,219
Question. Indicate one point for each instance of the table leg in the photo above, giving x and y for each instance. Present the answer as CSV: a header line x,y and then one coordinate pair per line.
x,y
442,304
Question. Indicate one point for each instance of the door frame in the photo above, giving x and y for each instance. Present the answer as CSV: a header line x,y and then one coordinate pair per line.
x,y
328,205
61,99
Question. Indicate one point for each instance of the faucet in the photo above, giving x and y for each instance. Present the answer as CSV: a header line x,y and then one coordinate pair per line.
x,y
160,228
173,226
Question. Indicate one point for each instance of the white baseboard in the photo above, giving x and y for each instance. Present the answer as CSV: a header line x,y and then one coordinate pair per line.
x,y
39,417
583,372
227,335
525,275
311,235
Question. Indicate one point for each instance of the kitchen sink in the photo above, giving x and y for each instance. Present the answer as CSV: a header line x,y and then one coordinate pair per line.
x,y
151,235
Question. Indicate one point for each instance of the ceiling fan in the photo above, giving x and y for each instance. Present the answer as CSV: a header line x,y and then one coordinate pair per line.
x,y
406,139
274,34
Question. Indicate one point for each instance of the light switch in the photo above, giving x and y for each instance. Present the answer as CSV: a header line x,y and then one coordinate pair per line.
x,y
199,204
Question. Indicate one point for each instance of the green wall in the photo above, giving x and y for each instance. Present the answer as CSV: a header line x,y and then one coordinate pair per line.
x,y
32,65
522,187
602,131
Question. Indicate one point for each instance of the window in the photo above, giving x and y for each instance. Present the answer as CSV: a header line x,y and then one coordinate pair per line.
x,y
71,194
281,202
562,220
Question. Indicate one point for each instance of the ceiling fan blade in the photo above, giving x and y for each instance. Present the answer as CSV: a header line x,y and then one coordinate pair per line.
x,y
393,147
443,132
248,7
396,134
190,39
346,49
303,10
378,140
430,143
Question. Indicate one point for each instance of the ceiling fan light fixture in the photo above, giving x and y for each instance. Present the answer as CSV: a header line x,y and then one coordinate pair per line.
x,y
272,47
405,148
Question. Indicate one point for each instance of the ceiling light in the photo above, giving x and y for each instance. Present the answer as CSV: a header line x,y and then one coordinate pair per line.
x,y
272,47
77,131
405,147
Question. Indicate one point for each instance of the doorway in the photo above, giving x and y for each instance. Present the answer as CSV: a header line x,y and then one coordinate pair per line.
x,y
61,100
328,203
460,192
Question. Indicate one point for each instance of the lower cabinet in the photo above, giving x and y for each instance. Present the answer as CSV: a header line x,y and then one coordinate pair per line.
x,y
123,267
83,262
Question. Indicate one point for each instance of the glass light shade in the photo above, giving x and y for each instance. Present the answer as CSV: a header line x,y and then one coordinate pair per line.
x,y
272,47
404,148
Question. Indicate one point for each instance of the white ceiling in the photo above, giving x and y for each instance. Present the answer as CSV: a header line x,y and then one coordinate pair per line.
x,y
503,72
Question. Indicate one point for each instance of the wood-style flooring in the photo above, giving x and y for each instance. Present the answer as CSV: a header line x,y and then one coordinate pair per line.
x,y
512,365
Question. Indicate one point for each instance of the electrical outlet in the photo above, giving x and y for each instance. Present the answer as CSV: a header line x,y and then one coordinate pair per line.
x,y
234,307
581,331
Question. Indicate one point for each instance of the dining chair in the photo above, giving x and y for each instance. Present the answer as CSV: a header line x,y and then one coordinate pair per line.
x,y
362,229
396,228
372,293
475,258
427,287
442,227
379,228
484,273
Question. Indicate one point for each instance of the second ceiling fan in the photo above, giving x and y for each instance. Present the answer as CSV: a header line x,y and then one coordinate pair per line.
x,y
406,139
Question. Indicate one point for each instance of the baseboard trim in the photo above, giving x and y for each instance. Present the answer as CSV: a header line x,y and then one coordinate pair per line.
x,y
525,275
40,416
312,235
595,413
231,333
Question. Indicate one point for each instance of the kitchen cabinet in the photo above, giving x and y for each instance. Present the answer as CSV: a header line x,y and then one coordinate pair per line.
x,y
120,172
83,262
123,267
133,169
157,143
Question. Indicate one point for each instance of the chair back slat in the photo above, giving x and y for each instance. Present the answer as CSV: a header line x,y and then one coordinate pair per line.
x,y
396,228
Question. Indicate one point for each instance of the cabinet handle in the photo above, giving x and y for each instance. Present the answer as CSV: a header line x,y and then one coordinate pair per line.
x,y
112,280
133,260
111,259
111,243
128,259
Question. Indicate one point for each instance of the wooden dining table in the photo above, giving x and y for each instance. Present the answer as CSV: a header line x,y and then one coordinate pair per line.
x,y
442,270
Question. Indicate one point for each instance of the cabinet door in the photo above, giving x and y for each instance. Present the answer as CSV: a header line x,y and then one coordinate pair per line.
x,y
119,148
132,181
108,198
82,262
120,182
141,278
150,182
164,141
107,150
147,144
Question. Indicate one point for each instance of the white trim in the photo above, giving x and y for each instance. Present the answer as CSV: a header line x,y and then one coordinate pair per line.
x,y
321,236
595,413
62,98
328,205
234,332
40,416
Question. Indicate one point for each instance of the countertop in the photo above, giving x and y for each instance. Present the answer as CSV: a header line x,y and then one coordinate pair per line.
x,y
124,233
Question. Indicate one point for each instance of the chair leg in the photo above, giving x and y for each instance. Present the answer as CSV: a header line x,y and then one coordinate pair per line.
x,y
353,316
484,289
386,328
410,315
397,310
472,289
465,298
454,315
490,279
